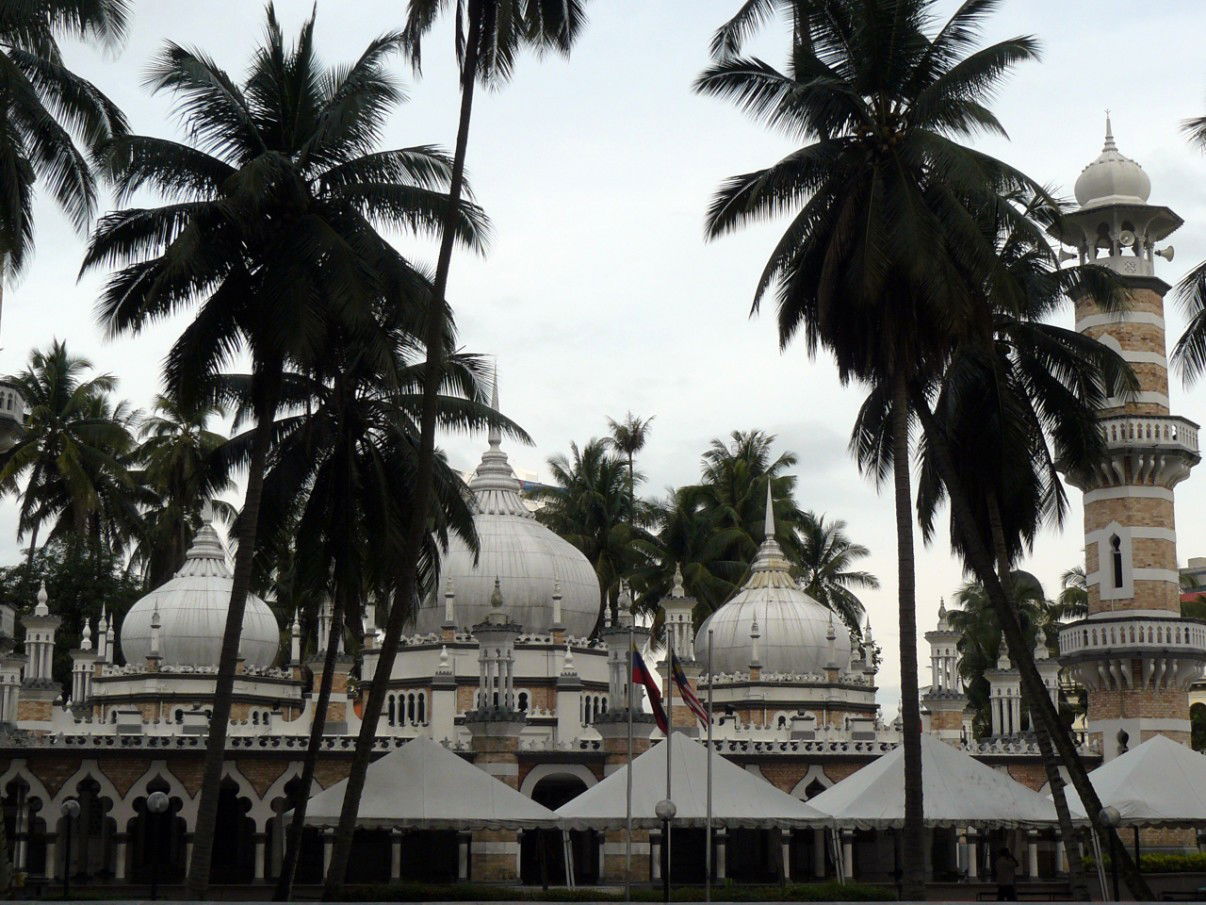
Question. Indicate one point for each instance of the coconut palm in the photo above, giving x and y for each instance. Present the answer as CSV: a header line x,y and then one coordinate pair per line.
x,y
47,113
339,487
882,199
270,231
628,437
1073,600
70,458
489,36
588,504
178,462
826,567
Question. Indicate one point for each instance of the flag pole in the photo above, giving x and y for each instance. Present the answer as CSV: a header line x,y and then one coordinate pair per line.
x,y
628,790
708,820
669,746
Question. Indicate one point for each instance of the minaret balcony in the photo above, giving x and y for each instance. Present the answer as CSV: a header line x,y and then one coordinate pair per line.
x,y
1101,652
1155,432
12,415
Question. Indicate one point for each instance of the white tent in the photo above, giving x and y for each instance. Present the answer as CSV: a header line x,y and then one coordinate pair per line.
x,y
424,785
958,791
739,798
1157,783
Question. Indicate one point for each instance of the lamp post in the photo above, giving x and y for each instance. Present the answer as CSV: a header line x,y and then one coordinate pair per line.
x,y
1111,817
70,809
665,811
157,804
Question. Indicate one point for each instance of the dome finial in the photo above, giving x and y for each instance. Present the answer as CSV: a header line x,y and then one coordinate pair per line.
x,y
679,590
495,435
770,511
1109,138
41,608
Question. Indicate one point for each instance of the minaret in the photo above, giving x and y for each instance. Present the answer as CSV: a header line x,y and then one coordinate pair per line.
x,y
946,699
1134,653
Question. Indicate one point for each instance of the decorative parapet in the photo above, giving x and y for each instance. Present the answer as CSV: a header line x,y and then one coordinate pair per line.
x,y
1151,432
1098,652
782,678
139,669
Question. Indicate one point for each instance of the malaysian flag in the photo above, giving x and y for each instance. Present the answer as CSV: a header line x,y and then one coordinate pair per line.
x,y
641,675
684,688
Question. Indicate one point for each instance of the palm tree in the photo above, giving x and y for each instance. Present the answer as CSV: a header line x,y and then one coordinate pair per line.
x,y
589,505
826,566
178,459
628,437
72,450
1073,600
1189,354
46,110
489,35
339,486
270,228
882,202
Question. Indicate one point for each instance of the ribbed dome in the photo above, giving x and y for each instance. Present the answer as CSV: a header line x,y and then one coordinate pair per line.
x,y
192,614
1112,178
793,627
529,561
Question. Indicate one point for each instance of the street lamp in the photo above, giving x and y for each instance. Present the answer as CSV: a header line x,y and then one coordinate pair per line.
x,y
665,811
70,809
1111,817
157,803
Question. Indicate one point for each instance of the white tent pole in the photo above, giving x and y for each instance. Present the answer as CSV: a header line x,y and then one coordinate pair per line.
x,y
669,736
1101,875
708,819
568,848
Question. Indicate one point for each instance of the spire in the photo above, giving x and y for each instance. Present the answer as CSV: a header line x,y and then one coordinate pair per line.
x,y
1003,661
769,525
624,604
557,602
449,603
155,653
495,435
1109,137
867,639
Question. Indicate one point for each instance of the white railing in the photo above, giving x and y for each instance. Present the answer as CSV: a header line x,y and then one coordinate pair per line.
x,y
1172,633
1147,431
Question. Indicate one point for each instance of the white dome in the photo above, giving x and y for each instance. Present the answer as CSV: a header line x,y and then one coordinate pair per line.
x,y
529,561
793,627
192,609
1112,178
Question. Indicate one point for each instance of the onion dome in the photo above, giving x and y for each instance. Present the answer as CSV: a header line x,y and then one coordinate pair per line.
x,y
1112,178
191,611
530,562
793,626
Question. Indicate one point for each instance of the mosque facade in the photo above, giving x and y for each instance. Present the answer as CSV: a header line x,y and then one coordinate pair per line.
x,y
500,665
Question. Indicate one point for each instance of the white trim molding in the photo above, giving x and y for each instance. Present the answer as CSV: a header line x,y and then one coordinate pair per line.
x,y
1165,575
1139,532
1120,317
1128,493
1137,357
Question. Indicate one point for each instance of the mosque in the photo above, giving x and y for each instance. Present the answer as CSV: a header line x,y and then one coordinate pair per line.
x,y
499,666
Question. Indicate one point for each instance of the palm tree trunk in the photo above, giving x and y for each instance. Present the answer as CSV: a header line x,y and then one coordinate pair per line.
x,y
219,723
1076,868
910,706
284,884
981,562
408,555
33,548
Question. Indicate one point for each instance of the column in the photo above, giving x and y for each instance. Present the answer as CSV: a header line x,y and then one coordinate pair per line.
x,y
328,843
848,854
973,854
188,850
1061,857
119,857
462,860
395,854
1032,854
260,856
785,849
52,859
655,854
721,837
818,854
481,683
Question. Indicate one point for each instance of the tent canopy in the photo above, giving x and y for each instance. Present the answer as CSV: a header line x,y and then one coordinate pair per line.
x,y
1157,783
423,785
739,798
958,791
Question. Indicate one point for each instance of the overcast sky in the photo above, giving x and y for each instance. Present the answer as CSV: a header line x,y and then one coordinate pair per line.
x,y
599,294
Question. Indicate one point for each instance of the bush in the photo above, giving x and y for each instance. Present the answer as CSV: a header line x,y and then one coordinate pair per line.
x,y
449,892
1162,862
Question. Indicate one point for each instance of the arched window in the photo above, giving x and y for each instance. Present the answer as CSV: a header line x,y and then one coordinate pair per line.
x,y
523,701
1116,559
255,718
392,716
410,708
603,704
179,716
422,707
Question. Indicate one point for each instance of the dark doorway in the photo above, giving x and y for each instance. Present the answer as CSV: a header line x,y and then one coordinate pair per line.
x,y
157,837
370,858
234,838
430,856
541,855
